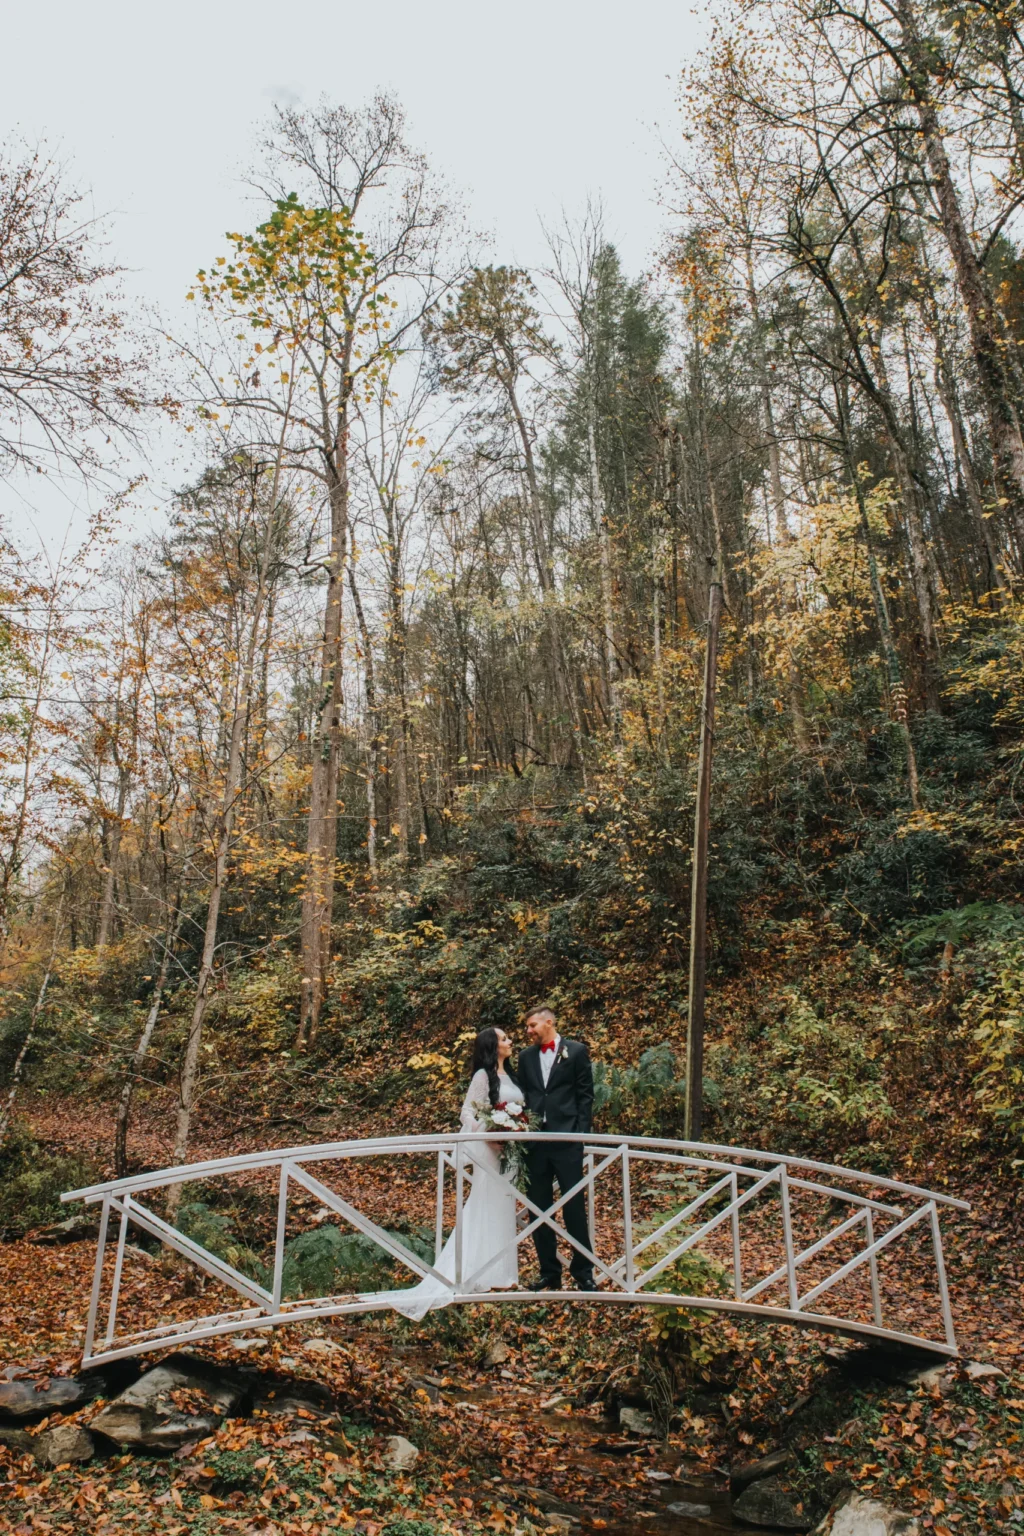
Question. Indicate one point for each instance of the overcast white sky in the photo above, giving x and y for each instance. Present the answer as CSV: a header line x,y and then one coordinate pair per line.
x,y
526,108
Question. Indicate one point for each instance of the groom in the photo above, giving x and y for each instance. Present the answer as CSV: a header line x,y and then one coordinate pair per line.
x,y
558,1082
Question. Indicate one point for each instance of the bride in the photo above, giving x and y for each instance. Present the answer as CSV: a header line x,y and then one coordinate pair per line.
x,y
490,1258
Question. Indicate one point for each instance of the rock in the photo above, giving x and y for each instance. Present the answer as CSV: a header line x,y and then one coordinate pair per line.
x,y
19,1441
300,1437
551,1504
428,1389
636,1422
400,1454
317,1346
28,1400
300,1399
66,1443
284,1395
980,1370
752,1471
930,1378
132,1250
899,1364
244,1345
855,1515
182,1399
617,1447
75,1230
496,1353
766,1502
561,1522
559,1399
689,1511
655,1475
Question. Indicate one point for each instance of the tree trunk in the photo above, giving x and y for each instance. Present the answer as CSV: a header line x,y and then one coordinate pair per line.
x,y
372,721
788,590
107,902
946,390
790,599
12,862
321,840
545,572
138,1060
897,690
225,825
699,893
607,605
37,1008
1004,422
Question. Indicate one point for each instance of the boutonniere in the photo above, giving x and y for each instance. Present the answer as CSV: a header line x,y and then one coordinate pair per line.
x,y
563,1054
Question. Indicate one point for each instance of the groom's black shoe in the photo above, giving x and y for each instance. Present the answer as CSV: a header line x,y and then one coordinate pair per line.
x,y
586,1283
546,1283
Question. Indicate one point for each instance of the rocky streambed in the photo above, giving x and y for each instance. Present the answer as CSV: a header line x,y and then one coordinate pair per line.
x,y
207,1414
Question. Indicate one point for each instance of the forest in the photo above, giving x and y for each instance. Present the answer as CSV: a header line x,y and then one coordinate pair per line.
x,y
387,727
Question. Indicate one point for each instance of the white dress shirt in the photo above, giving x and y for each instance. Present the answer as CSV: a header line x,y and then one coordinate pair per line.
x,y
548,1059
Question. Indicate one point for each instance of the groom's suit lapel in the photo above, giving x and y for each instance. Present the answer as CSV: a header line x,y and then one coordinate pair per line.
x,y
531,1060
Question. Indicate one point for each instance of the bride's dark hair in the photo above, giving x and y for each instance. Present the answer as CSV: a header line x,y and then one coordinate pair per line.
x,y
485,1059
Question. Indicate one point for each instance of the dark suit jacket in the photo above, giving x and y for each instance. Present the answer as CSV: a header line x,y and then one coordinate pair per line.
x,y
567,1103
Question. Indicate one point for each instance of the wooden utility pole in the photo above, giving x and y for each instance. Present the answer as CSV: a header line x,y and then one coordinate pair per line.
x,y
699,898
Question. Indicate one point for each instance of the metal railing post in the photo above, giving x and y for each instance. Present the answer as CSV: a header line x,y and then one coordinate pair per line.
x,y
439,1218
876,1295
115,1284
282,1224
940,1271
591,1197
787,1234
737,1262
459,1161
627,1219
97,1280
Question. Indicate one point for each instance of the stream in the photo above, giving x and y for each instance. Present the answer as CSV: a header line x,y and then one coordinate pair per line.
x,y
600,1448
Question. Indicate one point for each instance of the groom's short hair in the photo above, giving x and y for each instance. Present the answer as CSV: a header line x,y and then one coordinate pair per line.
x,y
538,1008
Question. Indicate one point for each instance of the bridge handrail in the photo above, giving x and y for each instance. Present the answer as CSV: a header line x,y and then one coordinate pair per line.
x,y
246,1162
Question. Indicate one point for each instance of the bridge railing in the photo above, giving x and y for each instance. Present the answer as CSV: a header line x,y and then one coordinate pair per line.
x,y
776,1234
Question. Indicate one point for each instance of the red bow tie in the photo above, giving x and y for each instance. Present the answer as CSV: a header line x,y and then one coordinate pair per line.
x,y
549,1047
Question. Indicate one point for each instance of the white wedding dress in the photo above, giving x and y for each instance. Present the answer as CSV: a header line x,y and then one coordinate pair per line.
x,y
490,1259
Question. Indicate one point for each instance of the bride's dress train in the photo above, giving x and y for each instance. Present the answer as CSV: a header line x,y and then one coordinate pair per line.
x,y
488,1220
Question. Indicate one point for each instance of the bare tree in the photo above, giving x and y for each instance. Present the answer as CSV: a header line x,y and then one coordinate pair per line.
x,y
70,381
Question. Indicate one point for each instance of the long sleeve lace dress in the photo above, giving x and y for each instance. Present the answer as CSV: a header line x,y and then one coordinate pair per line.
x,y
490,1259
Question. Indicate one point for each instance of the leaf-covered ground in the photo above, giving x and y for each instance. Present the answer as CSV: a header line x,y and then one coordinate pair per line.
x,y
527,1442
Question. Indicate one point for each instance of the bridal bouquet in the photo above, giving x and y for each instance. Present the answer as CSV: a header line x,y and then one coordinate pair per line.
x,y
509,1115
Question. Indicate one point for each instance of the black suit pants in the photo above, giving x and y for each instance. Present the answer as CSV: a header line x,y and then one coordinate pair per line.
x,y
560,1161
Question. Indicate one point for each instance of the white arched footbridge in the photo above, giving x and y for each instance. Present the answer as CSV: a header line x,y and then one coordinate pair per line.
x,y
788,1239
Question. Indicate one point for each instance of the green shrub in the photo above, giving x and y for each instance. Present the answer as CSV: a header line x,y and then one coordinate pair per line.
x,y
215,1231
983,922
32,1179
328,1262
685,1339
996,1008
647,1098
817,1073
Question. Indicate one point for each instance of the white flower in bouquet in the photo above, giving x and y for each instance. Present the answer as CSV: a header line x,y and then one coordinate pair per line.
x,y
509,1116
